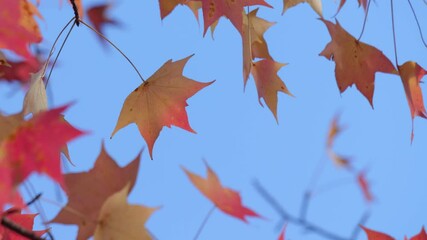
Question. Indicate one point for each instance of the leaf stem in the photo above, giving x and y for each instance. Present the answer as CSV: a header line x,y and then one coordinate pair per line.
x,y
204,222
394,35
52,49
117,48
59,52
418,23
365,20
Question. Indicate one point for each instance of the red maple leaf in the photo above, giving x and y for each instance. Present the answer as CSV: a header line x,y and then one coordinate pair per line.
x,y
35,146
364,186
18,28
24,221
226,199
375,235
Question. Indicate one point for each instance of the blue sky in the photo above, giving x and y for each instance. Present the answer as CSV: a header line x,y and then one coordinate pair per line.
x,y
238,138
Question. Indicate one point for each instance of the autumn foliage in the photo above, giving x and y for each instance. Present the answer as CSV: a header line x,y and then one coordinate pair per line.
x,y
34,139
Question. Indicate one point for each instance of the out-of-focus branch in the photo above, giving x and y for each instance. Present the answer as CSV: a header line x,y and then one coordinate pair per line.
x,y
300,221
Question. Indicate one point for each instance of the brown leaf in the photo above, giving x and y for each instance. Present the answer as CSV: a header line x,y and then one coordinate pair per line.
x,y
356,62
87,191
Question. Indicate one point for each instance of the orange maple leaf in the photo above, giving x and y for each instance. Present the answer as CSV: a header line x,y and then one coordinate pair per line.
x,y
334,130
160,101
411,74
18,28
167,6
87,191
356,62
375,235
268,83
232,9
226,199
254,44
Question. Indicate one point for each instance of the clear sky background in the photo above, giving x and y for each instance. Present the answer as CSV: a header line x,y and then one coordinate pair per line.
x,y
238,138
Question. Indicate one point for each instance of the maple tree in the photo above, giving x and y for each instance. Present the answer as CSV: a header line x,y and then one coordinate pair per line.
x,y
35,136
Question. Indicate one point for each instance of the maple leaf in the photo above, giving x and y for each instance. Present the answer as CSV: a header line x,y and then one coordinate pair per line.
x,y
25,221
35,100
363,3
35,146
254,44
411,74
18,71
374,235
364,186
356,62
334,130
282,235
167,6
420,236
339,160
160,101
268,82
226,199
315,4
18,27
232,9
87,191
98,17
119,220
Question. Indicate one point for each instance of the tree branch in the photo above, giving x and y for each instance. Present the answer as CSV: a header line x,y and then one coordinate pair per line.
x,y
292,219
76,12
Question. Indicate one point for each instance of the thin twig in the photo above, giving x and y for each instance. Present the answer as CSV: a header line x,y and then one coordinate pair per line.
x,y
364,21
35,198
76,12
59,52
117,48
204,222
9,224
292,219
418,23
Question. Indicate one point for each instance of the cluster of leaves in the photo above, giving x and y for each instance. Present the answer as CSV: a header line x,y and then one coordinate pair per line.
x,y
32,140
